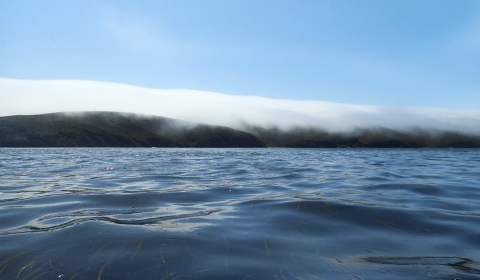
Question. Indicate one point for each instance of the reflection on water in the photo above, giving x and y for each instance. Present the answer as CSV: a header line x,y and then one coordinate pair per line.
x,y
239,214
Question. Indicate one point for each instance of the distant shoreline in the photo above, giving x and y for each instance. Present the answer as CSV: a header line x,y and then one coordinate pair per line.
x,y
125,130
246,148
115,130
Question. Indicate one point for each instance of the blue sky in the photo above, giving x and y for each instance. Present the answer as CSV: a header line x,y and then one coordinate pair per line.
x,y
373,52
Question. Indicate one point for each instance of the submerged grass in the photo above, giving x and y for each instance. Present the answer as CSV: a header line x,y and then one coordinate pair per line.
x,y
300,225
40,275
138,248
266,246
101,270
163,261
226,244
26,267
7,261
99,250
390,225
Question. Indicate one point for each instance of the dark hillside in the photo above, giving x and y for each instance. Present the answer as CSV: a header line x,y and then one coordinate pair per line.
x,y
363,138
109,129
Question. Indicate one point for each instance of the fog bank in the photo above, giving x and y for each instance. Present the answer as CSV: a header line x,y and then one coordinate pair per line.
x,y
25,97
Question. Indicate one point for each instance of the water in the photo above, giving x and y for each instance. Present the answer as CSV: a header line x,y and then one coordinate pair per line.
x,y
239,214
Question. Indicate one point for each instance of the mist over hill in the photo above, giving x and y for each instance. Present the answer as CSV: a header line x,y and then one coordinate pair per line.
x,y
374,137
111,129
226,110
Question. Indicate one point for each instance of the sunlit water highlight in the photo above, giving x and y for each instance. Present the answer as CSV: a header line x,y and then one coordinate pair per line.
x,y
239,214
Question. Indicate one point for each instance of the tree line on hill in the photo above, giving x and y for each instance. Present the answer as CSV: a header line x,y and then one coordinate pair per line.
x,y
112,129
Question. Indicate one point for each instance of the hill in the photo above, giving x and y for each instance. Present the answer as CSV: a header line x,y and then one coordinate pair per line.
x,y
111,129
375,137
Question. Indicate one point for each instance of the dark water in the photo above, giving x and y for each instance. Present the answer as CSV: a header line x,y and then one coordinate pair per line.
x,y
239,214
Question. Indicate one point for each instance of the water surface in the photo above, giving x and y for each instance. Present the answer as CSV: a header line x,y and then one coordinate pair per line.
x,y
239,214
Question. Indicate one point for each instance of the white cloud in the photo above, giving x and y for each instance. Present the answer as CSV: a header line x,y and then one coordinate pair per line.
x,y
37,97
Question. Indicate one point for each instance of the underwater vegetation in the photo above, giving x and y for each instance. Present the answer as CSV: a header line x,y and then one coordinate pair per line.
x,y
104,214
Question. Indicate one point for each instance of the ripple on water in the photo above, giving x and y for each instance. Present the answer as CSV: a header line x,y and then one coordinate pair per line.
x,y
239,214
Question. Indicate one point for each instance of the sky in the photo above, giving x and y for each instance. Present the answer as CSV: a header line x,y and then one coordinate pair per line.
x,y
402,53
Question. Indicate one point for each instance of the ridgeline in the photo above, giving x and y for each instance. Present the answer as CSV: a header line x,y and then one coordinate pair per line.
x,y
375,137
110,129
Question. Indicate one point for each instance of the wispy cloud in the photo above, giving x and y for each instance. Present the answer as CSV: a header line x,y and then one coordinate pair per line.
x,y
35,97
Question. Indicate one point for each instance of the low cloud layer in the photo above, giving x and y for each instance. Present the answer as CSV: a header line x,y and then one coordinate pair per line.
x,y
25,97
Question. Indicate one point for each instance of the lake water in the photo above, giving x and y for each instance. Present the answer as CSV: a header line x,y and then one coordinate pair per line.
x,y
239,214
